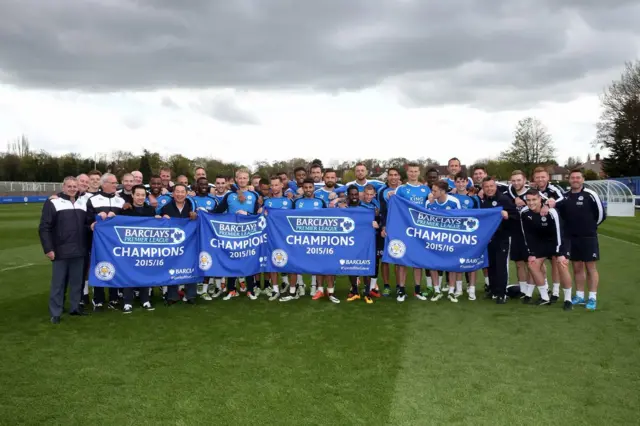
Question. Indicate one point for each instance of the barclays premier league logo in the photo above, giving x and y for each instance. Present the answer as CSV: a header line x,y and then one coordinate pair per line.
x,y
205,261
279,258
448,223
141,235
238,230
396,249
105,271
321,225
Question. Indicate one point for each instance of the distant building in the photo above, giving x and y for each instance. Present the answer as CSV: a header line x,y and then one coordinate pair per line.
x,y
557,173
594,166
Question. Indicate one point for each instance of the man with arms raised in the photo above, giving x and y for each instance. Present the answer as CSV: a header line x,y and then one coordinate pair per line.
x,y
584,212
393,182
105,203
64,241
544,238
418,194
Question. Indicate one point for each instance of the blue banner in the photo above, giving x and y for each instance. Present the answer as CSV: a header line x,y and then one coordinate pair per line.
x,y
443,240
231,244
24,199
338,241
143,252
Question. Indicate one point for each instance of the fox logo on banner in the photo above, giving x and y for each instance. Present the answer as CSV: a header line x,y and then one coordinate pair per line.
x,y
444,240
144,252
231,244
322,242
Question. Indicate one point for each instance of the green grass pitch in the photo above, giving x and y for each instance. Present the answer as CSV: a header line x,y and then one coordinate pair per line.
x,y
311,362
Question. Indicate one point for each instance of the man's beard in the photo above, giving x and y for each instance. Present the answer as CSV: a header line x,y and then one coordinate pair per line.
x,y
330,184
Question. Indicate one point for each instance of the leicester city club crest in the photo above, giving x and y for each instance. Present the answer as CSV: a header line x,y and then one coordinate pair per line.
x,y
396,249
105,271
279,258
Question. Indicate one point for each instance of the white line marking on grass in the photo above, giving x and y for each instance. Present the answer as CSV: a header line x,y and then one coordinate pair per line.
x,y
618,239
11,268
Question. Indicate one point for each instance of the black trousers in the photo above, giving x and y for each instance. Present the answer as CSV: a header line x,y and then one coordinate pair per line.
x,y
499,265
129,296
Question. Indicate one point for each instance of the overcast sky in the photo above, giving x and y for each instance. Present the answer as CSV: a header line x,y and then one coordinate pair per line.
x,y
248,80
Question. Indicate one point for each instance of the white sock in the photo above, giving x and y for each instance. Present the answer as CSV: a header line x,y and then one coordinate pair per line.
x,y
85,290
373,284
212,281
459,286
544,295
556,289
205,288
321,289
592,295
486,280
523,286
546,283
285,279
292,290
472,289
436,289
580,294
452,290
429,282
439,280
567,294
164,289
313,280
276,288
330,290
218,283
299,281
529,290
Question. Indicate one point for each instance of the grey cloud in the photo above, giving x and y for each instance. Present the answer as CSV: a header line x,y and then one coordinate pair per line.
x,y
462,51
133,122
225,109
167,102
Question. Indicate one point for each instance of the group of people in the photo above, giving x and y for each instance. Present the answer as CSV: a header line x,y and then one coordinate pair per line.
x,y
540,222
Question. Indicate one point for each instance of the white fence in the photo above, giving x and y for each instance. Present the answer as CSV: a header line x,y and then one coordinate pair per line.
x,y
25,187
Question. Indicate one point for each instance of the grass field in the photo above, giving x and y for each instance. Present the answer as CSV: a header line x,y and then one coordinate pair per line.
x,y
311,363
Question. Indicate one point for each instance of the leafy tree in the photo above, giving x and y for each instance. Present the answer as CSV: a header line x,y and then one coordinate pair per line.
x,y
145,164
531,147
590,175
619,124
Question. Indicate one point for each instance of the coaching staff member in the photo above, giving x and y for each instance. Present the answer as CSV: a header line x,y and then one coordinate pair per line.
x,y
63,235
500,243
180,207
